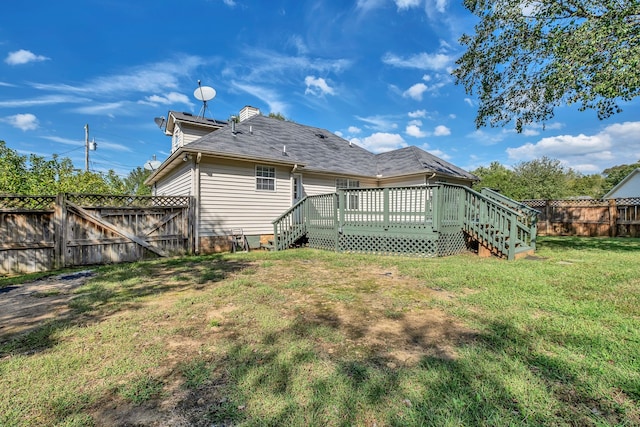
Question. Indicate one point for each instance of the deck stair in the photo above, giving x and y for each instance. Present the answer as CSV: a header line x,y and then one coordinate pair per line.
x,y
500,226
433,220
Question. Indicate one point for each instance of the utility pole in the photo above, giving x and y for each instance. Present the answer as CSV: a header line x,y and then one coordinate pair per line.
x,y
86,147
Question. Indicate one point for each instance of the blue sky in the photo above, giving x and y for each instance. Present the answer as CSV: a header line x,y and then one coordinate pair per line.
x,y
372,71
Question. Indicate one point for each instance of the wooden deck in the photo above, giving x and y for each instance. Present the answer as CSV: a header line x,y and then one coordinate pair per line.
x,y
434,220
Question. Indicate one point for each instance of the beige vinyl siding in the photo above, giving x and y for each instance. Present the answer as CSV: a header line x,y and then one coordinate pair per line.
x,y
414,180
177,183
322,184
229,199
192,134
318,184
409,181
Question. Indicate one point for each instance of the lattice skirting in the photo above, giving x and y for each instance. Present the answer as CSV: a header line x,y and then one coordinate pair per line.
x,y
319,240
444,244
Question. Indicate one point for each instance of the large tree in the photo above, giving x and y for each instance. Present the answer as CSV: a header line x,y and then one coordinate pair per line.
x,y
617,173
529,56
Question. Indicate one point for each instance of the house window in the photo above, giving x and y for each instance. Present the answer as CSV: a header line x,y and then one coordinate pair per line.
x,y
345,184
265,178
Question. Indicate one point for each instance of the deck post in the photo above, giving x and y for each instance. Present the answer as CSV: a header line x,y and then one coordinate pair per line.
x,y
341,201
513,233
385,206
436,208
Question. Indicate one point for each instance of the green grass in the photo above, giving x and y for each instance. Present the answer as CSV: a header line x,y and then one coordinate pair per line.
x,y
305,337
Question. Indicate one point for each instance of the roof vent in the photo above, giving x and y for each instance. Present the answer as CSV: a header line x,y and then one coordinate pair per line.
x,y
321,136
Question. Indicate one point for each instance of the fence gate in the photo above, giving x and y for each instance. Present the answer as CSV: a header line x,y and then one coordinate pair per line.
x,y
42,233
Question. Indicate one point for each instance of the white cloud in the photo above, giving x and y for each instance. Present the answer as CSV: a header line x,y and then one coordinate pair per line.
x,y
108,109
415,131
22,56
317,86
271,67
415,91
23,122
148,78
43,100
441,130
415,122
168,99
417,114
406,4
380,142
486,138
615,144
266,95
340,134
299,45
434,7
353,130
101,144
469,102
421,61
379,123
5,84
230,3
441,154
367,5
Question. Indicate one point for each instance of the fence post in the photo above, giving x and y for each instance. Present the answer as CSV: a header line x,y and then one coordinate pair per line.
x,y
547,215
60,231
613,218
192,224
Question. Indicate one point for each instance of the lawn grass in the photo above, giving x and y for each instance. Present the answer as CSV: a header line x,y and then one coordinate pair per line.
x,y
306,337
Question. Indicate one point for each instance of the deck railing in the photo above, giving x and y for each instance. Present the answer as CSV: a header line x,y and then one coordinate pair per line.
x,y
496,225
290,226
421,212
528,219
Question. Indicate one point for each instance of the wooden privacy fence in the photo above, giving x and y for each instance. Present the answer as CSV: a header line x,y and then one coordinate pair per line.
x,y
40,233
596,218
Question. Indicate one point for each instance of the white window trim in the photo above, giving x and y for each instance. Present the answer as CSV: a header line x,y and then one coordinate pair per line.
x,y
266,177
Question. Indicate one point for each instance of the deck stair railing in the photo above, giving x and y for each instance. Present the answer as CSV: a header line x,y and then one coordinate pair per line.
x,y
528,216
497,227
414,215
291,226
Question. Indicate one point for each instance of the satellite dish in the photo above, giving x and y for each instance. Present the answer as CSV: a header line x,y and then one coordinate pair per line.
x,y
160,121
152,164
204,93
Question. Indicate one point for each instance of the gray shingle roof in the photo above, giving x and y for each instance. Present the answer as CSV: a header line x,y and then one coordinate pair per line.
x,y
269,139
188,117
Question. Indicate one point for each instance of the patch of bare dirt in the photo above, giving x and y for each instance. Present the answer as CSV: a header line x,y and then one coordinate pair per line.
x,y
26,306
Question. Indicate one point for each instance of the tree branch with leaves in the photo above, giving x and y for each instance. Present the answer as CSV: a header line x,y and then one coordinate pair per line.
x,y
528,57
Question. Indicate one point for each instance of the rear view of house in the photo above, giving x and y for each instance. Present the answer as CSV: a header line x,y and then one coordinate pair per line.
x,y
244,174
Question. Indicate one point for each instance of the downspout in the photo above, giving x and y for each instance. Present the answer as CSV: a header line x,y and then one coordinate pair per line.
x,y
431,177
196,193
